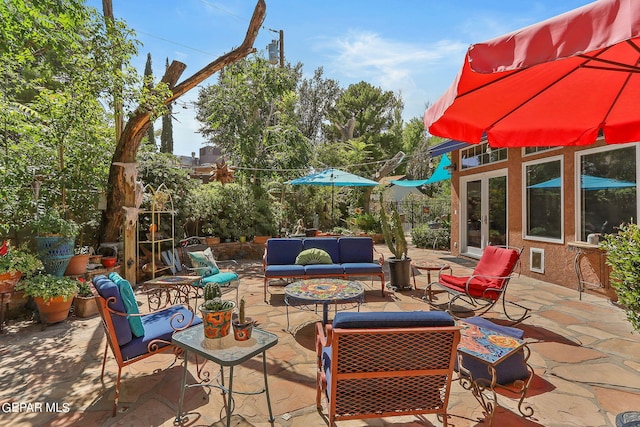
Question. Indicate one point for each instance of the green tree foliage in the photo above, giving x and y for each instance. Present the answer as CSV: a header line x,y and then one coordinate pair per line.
x,y
57,64
164,168
249,114
377,116
148,77
316,96
166,137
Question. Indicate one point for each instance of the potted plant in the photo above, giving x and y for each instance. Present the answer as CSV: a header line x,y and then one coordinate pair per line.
x,y
242,325
53,295
84,303
623,256
216,312
78,263
55,239
14,263
399,263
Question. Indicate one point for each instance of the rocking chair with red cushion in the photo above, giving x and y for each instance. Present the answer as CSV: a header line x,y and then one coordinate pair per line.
x,y
486,285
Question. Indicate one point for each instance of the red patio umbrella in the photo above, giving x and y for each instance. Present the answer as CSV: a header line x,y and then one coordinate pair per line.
x,y
562,81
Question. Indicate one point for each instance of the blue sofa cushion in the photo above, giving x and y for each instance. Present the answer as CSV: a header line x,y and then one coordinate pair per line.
x,y
107,289
221,278
130,303
356,249
158,326
284,270
323,269
392,319
510,369
283,251
327,244
361,268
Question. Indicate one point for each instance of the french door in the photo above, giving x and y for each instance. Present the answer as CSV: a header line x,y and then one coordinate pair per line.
x,y
483,211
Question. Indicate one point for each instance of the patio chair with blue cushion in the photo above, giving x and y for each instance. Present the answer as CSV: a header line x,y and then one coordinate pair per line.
x,y
134,336
382,364
483,288
199,260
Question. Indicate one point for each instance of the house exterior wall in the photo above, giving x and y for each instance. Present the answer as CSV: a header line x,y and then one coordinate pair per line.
x,y
558,257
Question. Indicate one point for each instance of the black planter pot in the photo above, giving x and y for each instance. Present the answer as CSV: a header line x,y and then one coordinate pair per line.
x,y
400,272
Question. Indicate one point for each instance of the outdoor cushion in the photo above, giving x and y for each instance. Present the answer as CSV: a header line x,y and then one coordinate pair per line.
x,y
496,261
392,319
327,244
323,269
510,369
157,326
221,278
313,256
284,270
355,249
361,267
477,286
204,259
107,289
283,251
130,303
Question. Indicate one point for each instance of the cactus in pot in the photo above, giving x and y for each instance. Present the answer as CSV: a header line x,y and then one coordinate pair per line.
x,y
242,325
216,312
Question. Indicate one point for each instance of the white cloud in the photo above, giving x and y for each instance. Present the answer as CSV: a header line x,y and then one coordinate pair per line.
x,y
406,68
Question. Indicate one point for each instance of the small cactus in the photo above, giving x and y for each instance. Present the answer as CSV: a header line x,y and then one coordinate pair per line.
x,y
211,291
241,311
212,299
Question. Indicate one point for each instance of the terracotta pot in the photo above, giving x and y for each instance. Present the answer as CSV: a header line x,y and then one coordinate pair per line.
x,y
54,310
8,281
85,306
217,324
242,331
261,239
77,265
213,240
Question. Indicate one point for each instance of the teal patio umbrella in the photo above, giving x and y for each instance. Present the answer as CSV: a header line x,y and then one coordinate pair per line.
x,y
334,178
440,174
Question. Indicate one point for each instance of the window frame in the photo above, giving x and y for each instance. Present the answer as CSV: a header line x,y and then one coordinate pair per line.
x,y
525,217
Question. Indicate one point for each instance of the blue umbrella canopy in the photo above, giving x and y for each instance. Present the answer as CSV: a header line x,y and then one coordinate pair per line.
x,y
588,182
440,174
334,177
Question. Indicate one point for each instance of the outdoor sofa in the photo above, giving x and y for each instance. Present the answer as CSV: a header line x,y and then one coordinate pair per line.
x,y
305,258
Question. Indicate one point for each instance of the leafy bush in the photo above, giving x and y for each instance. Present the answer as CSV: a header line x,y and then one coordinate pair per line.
x,y
47,286
425,237
623,256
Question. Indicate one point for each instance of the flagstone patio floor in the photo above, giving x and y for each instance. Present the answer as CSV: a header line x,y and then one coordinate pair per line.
x,y
585,356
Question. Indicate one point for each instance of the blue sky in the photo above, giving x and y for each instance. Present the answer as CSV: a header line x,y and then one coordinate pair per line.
x,y
411,47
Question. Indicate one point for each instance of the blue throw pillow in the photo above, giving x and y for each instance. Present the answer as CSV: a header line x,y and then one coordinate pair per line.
x,y
130,303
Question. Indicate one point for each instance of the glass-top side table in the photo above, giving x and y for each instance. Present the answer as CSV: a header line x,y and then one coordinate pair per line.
x,y
224,352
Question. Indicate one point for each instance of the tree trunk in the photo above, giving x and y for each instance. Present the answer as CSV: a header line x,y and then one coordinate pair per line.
x,y
121,185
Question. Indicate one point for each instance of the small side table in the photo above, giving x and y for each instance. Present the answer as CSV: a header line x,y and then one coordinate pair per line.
x,y
490,348
163,284
428,266
225,352
582,250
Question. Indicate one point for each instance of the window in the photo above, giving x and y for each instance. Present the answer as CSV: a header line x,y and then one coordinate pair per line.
x,y
481,154
607,191
543,208
527,151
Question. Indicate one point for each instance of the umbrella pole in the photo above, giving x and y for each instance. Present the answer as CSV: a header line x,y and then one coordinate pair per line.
x,y
333,215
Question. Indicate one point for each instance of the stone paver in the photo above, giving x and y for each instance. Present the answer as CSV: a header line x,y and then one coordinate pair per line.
x,y
583,352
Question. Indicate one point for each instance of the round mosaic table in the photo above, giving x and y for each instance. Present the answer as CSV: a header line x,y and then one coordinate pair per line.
x,y
323,291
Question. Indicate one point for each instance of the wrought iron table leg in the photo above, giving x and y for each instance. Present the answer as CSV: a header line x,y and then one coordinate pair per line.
x,y
182,386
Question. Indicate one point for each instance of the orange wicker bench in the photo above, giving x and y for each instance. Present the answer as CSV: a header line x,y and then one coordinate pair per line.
x,y
375,365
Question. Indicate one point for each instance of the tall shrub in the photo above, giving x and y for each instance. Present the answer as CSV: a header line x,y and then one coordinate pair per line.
x,y
623,256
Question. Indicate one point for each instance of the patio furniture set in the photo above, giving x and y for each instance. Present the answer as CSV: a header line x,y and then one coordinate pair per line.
x,y
373,364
